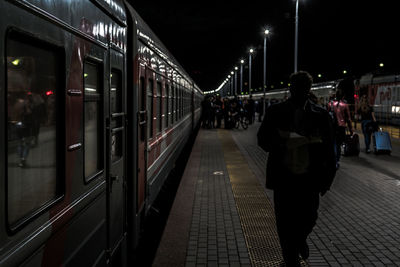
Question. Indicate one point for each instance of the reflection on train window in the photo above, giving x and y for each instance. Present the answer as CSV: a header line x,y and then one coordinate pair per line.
x,y
116,146
93,142
116,107
150,107
32,85
158,108
116,92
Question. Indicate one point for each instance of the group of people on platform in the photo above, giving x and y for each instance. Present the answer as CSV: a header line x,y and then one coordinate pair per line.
x,y
304,141
215,110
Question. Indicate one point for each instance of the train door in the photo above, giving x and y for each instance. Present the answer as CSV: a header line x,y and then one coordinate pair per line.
x,y
116,200
142,127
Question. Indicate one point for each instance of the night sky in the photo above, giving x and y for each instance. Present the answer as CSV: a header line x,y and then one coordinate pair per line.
x,y
208,39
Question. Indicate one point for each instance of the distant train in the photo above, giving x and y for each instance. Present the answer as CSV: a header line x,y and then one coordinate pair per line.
x,y
95,113
323,91
383,92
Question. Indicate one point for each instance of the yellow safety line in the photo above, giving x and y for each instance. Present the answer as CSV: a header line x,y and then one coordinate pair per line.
x,y
255,210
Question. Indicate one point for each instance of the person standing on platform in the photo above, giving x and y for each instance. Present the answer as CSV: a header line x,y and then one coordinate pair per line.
x,y
218,104
260,109
251,109
368,121
343,120
298,135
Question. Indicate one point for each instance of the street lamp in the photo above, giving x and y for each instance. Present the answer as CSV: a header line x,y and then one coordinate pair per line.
x,y
266,32
296,37
236,87
251,52
230,85
241,75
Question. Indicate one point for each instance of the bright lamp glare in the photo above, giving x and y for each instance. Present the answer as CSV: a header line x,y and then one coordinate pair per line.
x,y
15,62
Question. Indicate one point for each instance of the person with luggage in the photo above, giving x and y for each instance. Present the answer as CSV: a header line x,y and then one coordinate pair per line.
x,y
298,135
342,119
368,121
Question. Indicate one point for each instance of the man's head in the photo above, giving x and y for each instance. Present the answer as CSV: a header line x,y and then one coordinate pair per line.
x,y
300,85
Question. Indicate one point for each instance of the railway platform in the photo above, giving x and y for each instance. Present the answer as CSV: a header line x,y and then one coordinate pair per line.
x,y
223,215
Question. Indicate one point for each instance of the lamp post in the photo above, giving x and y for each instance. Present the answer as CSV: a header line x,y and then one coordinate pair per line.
x,y
266,32
236,87
251,52
296,37
241,75
226,87
233,85
230,85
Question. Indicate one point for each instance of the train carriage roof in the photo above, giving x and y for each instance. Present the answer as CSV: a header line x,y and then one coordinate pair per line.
x,y
145,34
115,8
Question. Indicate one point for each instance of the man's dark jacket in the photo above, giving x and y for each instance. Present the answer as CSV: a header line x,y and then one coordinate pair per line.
x,y
313,121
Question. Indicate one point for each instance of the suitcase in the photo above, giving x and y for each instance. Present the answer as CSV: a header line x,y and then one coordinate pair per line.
x,y
351,145
381,142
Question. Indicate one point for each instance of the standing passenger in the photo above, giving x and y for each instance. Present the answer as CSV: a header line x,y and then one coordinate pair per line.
x,y
298,135
218,110
368,121
251,109
343,120
260,109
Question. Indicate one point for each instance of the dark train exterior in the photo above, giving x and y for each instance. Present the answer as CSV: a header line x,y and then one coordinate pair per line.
x,y
95,113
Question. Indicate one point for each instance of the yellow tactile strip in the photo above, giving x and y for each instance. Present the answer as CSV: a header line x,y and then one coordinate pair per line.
x,y
254,208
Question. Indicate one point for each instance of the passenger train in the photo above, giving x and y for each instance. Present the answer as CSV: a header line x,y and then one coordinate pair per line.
x,y
95,113
382,90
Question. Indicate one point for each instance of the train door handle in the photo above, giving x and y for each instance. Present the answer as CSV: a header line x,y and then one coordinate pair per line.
x,y
114,178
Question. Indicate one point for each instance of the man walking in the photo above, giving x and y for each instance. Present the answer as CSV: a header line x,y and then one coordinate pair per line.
x,y
298,135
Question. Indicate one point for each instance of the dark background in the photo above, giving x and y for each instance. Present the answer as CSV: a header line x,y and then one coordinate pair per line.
x,y
208,38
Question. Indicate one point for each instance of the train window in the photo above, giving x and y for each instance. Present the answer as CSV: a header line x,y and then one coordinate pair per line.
x,y
181,113
172,104
142,99
166,105
159,107
176,103
93,134
150,107
34,168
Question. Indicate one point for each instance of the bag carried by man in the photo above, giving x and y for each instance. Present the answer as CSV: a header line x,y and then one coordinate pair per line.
x,y
351,145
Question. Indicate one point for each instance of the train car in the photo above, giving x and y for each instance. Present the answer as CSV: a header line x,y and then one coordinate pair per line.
x,y
95,113
323,91
169,110
383,92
